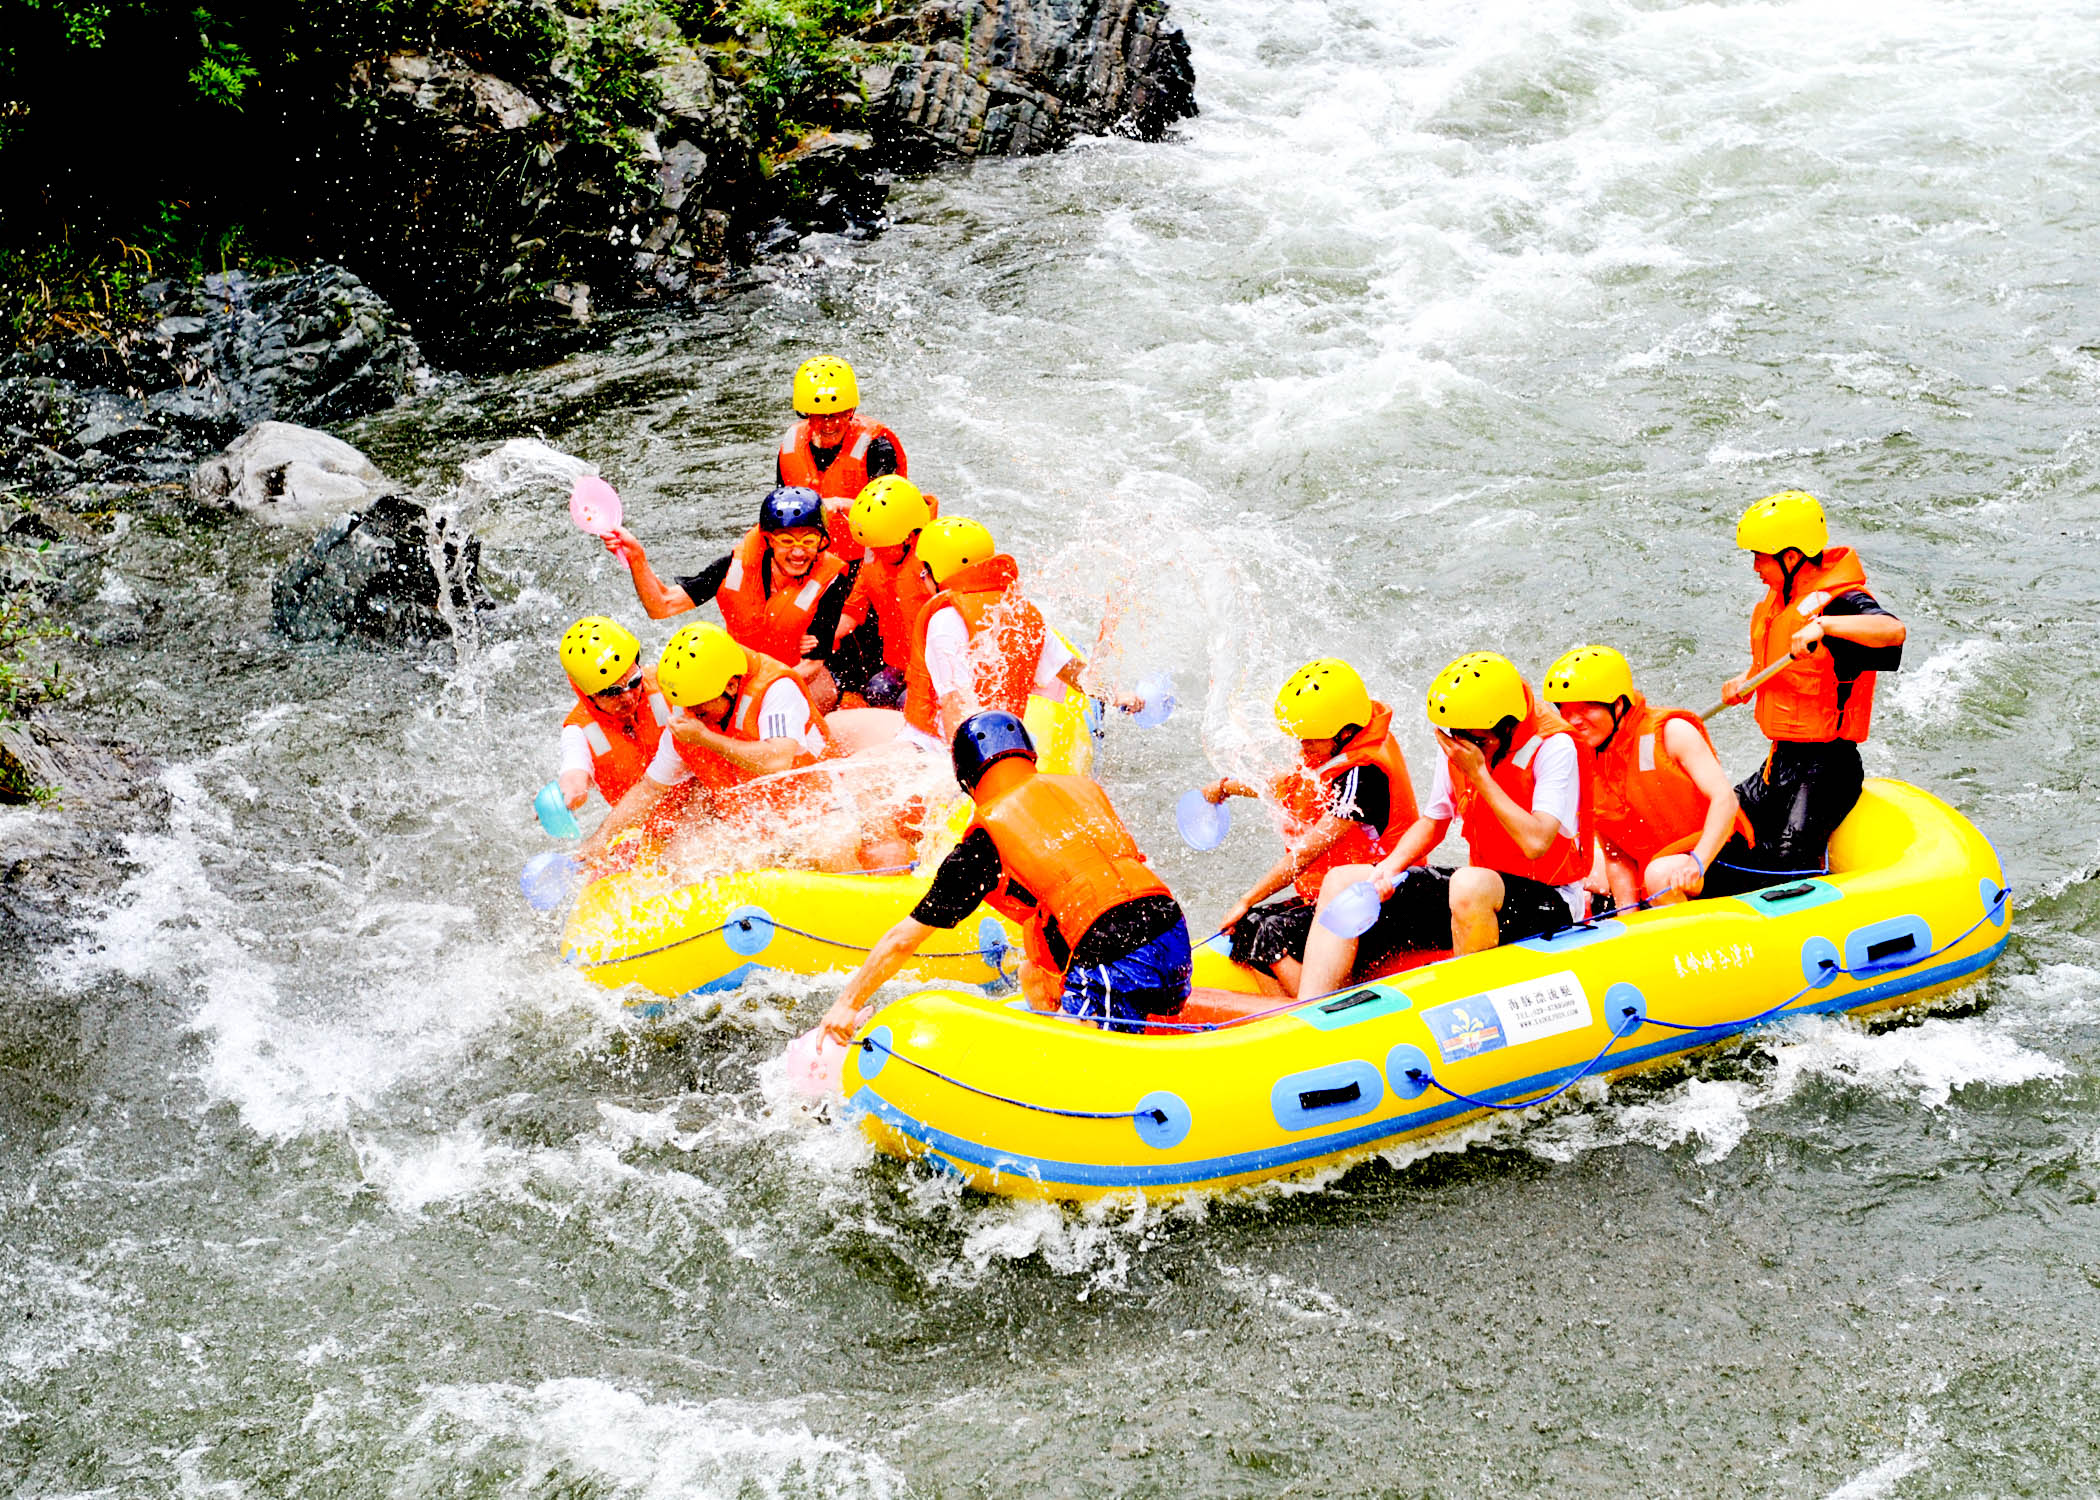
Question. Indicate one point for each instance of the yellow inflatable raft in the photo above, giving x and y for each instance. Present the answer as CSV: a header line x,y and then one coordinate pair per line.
x,y
642,927
1034,1105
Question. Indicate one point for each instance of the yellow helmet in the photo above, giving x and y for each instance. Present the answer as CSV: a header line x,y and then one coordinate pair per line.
x,y
1476,692
949,545
698,664
887,512
1589,674
1790,518
824,385
1321,699
597,652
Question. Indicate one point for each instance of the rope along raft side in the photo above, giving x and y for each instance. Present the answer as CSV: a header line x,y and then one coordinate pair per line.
x,y
1915,904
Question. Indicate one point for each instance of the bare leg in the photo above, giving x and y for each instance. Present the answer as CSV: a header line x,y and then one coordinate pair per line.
x,y
1288,972
1476,900
1661,870
864,728
1329,957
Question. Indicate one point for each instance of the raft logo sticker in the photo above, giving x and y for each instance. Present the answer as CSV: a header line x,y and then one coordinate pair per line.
x,y
1509,1016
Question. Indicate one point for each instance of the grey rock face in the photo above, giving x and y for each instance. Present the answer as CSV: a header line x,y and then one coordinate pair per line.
x,y
392,573
1013,77
56,859
320,346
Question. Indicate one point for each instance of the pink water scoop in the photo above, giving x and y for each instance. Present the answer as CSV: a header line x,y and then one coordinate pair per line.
x,y
816,1065
594,506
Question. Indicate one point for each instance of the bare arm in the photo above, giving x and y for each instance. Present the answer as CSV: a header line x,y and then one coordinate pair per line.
x,y
760,757
659,599
876,970
1688,747
1422,835
1285,870
631,809
1534,832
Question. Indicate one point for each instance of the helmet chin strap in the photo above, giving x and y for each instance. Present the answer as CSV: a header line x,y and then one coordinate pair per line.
x,y
1787,575
1621,706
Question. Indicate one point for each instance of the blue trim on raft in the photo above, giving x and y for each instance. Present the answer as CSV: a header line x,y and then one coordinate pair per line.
x,y
1291,1153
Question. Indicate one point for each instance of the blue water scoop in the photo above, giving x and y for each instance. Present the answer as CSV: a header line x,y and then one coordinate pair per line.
x,y
1351,914
547,879
555,816
1157,694
1203,823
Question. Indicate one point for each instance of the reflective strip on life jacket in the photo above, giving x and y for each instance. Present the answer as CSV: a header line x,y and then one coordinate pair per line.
x,y
1806,702
620,751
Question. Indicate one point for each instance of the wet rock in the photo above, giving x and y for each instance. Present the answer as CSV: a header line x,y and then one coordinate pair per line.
x,y
1013,77
289,476
392,572
60,854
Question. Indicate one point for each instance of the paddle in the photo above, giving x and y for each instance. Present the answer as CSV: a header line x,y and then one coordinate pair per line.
x,y
1755,683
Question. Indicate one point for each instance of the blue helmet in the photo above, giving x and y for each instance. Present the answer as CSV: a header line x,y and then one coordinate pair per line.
x,y
791,508
985,737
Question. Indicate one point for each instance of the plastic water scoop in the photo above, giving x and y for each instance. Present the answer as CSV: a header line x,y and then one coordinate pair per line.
x,y
594,506
1351,914
1156,692
554,814
547,879
816,1065
1203,823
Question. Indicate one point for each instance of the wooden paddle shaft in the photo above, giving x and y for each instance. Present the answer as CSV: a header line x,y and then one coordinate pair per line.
x,y
1755,683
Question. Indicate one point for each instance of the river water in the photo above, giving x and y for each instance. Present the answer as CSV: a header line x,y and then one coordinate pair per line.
x,y
1447,326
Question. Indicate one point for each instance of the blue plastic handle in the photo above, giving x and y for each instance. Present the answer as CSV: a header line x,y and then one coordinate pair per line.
x,y
555,816
1351,914
1203,823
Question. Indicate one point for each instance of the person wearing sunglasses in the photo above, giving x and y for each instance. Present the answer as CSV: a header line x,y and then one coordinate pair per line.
x,y
782,591
1519,785
610,736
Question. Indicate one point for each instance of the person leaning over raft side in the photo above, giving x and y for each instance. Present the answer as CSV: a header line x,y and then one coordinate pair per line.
x,y
780,591
1664,807
831,450
977,643
1816,608
610,735
1104,939
739,716
1519,783
891,587
1346,803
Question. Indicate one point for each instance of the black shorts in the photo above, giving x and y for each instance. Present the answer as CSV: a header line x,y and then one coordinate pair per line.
x,y
1794,802
1275,931
1417,916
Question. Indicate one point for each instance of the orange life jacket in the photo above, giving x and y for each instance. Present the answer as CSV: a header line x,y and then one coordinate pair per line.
x,y
621,748
1489,844
1305,797
843,480
1806,702
761,672
1067,857
1647,805
774,623
895,592
1006,642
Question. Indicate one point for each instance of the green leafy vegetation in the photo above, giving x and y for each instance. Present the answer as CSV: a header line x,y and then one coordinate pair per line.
x,y
27,675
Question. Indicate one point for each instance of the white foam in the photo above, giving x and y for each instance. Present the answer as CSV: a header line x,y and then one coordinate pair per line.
x,y
73,1316
592,1433
1934,688
1921,1438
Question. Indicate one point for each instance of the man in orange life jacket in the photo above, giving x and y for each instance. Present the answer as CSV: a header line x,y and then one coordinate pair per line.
x,y
1519,784
1104,938
831,450
781,591
1816,609
977,643
1346,803
891,587
740,716
1663,804
610,735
